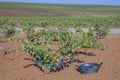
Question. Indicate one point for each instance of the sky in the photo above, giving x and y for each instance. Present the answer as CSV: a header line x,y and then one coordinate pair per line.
x,y
101,2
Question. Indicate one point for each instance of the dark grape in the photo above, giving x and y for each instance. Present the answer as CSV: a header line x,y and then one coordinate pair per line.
x,y
59,67
62,62
42,61
52,68
36,61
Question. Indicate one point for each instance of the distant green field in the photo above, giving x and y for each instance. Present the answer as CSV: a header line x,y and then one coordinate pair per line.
x,y
61,21
25,9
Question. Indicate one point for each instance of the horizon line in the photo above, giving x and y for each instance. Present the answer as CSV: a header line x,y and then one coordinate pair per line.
x,y
59,3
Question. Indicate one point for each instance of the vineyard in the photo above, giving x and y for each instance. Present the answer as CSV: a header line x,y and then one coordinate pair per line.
x,y
49,39
64,22
54,49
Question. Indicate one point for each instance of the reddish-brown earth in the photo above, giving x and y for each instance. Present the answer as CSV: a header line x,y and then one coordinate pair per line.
x,y
12,66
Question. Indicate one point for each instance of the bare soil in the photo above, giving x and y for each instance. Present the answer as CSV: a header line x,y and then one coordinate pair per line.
x,y
12,67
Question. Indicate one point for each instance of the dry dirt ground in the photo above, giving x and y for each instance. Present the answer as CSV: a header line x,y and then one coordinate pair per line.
x,y
12,66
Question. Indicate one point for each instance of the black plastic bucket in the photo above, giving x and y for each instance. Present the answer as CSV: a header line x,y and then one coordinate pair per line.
x,y
89,68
